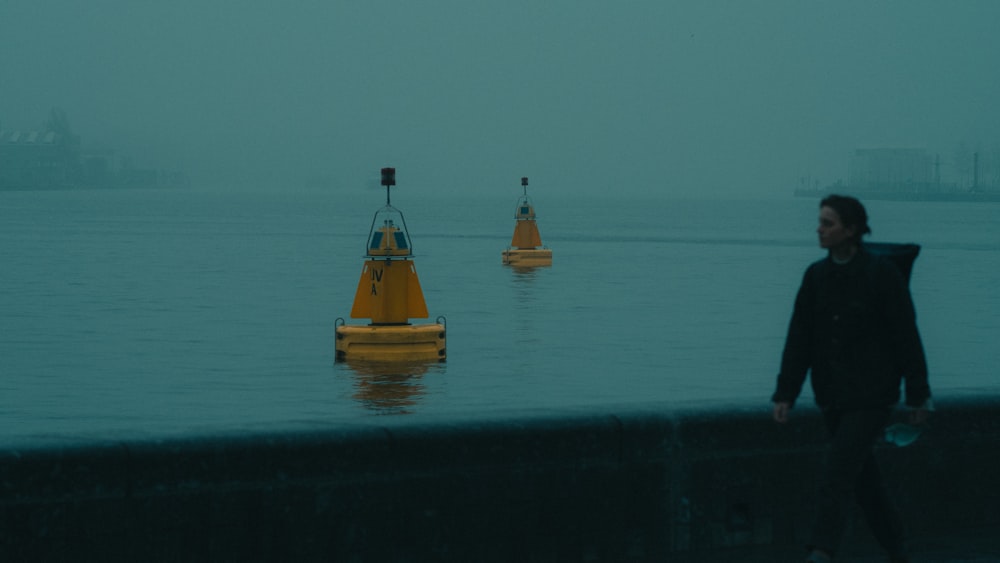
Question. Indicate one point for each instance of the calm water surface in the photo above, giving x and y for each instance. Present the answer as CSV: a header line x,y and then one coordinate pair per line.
x,y
166,312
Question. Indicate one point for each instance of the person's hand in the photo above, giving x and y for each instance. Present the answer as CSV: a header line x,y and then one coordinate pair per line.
x,y
919,416
780,412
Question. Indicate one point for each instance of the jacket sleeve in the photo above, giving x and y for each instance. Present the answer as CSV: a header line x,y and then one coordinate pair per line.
x,y
908,348
796,358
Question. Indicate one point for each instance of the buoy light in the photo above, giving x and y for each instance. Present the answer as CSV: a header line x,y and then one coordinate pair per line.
x,y
388,177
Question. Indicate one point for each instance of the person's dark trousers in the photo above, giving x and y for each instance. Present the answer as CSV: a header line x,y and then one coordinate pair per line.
x,y
852,474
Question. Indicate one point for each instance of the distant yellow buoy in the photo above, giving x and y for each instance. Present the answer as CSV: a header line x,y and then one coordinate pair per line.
x,y
389,294
526,248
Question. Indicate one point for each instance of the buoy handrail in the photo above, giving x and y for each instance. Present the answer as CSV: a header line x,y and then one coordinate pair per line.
x,y
521,203
387,209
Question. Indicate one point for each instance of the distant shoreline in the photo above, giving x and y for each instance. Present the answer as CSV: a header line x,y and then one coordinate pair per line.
x,y
985,197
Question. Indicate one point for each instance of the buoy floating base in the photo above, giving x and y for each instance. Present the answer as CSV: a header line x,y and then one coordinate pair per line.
x,y
527,257
391,343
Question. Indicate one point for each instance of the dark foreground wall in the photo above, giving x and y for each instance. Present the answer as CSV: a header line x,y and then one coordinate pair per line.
x,y
698,485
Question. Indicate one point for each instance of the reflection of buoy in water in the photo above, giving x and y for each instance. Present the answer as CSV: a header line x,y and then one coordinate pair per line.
x,y
389,387
526,245
389,294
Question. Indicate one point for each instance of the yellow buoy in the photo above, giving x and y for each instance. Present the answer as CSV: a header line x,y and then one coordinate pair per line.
x,y
389,294
526,247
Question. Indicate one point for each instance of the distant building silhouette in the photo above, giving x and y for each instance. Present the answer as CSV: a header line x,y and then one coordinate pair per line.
x,y
51,158
37,160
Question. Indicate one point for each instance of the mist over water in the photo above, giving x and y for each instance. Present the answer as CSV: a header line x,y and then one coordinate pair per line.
x,y
685,97
158,312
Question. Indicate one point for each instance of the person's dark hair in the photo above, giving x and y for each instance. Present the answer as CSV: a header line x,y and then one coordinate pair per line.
x,y
851,212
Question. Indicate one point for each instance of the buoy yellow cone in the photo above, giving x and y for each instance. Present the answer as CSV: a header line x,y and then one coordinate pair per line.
x,y
526,249
389,294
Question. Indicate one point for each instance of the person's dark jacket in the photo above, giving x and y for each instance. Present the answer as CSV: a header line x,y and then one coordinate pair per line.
x,y
855,327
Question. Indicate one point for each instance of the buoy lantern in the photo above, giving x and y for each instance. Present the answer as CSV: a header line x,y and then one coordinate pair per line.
x,y
389,294
526,247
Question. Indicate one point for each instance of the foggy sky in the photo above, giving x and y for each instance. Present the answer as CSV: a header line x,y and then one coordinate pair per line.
x,y
690,96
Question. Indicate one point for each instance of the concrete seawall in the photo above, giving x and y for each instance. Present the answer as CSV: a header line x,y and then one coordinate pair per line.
x,y
635,485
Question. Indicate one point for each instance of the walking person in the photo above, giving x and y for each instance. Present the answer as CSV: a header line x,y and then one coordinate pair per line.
x,y
853,330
